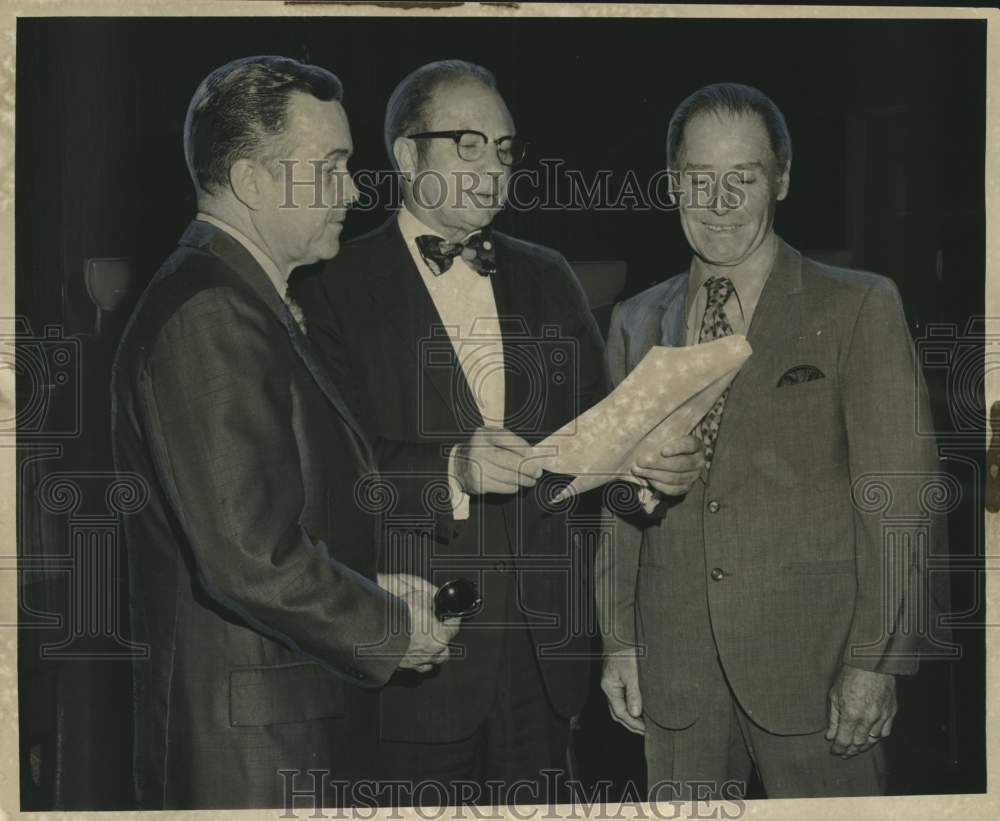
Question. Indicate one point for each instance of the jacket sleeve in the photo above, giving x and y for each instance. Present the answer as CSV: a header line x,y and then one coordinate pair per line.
x,y
617,559
218,415
893,472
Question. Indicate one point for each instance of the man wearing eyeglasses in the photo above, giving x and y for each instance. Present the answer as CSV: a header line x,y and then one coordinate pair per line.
x,y
440,329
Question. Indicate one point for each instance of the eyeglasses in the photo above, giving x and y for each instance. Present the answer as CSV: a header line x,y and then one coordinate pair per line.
x,y
471,145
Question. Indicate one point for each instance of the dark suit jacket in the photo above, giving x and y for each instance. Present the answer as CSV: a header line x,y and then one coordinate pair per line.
x,y
376,325
251,564
814,511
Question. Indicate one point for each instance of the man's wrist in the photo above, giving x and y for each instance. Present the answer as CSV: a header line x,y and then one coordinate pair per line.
x,y
858,668
617,647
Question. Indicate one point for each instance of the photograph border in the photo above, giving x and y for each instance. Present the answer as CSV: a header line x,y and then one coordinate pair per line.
x,y
965,806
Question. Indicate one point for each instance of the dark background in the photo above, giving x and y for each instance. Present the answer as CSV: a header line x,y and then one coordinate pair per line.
x,y
888,126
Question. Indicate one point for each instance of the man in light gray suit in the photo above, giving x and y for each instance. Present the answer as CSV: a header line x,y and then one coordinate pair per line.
x,y
762,619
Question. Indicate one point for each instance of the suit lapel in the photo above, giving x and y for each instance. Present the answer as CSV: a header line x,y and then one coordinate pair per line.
x,y
207,237
308,354
517,327
664,324
768,330
399,294
220,244
673,322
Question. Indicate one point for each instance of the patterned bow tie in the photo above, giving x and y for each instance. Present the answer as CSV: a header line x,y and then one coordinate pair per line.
x,y
478,251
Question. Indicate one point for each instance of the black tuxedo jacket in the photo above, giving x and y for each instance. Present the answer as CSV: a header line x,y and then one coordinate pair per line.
x,y
251,565
371,316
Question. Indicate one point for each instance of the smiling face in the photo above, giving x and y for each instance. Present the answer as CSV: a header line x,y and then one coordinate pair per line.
x,y
301,223
730,185
453,196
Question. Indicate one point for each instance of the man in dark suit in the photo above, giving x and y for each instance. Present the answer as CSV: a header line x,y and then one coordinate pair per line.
x,y
772,606
253,565
441,330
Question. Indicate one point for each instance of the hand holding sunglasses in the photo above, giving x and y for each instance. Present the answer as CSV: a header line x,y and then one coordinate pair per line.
x,y
457,598
429,633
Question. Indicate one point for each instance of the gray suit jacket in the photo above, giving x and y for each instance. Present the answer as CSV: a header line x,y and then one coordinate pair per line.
x,y
804,547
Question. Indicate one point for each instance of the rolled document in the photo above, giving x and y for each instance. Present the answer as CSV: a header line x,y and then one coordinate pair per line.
x,y
663,398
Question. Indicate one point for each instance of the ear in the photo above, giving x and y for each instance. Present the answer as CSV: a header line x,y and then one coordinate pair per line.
x,y
245,180
783,182
405,151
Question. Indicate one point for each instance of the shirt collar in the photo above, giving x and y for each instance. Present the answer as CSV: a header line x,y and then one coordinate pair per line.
x,y
274,274
411,227
746,289
696,281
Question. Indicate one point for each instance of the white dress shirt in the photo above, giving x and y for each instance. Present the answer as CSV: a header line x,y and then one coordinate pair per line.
x,y
464,300
739,307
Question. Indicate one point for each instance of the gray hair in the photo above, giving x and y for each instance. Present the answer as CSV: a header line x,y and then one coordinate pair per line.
x,y
736,99
406,112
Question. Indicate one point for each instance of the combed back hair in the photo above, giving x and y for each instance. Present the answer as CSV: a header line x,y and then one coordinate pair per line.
x,y
408,107
734,99
240,111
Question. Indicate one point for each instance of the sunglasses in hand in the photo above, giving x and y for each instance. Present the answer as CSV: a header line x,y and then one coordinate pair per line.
x,y
457,598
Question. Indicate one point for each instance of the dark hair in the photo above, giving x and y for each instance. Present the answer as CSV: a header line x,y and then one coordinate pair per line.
x,y
240,110
406,111
734,98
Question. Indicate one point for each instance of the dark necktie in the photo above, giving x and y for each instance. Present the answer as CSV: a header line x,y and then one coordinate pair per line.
x,y
478,251
714,325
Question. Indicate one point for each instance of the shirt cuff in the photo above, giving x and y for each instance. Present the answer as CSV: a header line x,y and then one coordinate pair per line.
x,y
649,499
459,498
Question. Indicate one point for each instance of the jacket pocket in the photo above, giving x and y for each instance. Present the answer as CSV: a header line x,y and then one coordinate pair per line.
x,y
819,568
259,696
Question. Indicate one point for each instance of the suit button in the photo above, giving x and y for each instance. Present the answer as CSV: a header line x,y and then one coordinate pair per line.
x,y
502,567
717,574
713,506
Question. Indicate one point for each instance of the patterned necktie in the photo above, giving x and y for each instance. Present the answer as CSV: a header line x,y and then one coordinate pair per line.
x,y
714,325
478,251
296,311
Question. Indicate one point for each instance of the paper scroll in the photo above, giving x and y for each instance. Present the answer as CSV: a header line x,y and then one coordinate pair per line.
x,y
663,398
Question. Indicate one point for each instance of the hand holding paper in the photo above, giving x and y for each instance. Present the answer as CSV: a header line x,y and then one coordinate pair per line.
x,y
672,469
494,461
662,399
